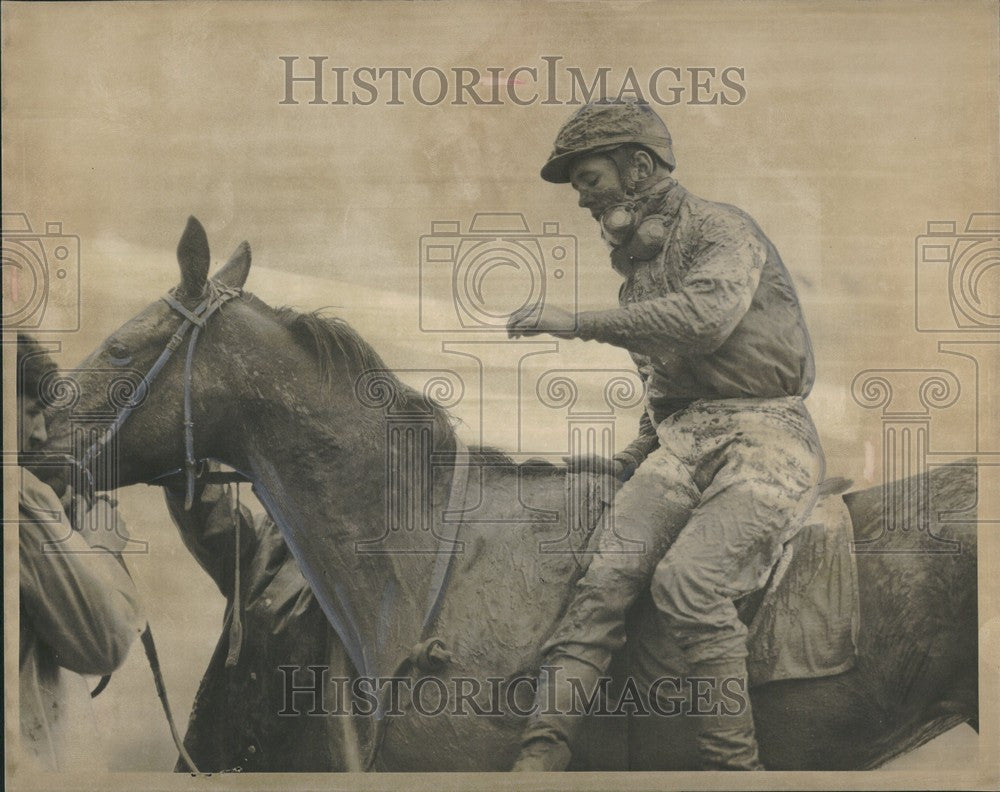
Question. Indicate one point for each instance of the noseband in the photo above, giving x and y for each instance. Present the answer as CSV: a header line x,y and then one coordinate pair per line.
x,y
193,320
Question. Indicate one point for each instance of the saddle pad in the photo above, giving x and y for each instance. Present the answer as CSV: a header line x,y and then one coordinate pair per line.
x,y
807,624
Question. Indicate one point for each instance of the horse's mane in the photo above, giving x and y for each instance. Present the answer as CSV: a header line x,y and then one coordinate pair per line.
x,y
336,346
343,355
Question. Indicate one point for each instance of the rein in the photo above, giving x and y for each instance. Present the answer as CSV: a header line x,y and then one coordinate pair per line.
x,y
429,654
193,320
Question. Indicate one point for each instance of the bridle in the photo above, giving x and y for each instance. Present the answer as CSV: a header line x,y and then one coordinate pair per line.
x,y
429,654
193,320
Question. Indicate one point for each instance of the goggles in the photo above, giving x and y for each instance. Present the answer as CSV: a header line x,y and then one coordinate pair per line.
x,y
642,239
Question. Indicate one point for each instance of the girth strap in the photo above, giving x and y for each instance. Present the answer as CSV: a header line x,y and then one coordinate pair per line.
x,y
430,653
451,516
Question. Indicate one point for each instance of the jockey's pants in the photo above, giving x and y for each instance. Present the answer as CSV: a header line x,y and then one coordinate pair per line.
x,y
701,524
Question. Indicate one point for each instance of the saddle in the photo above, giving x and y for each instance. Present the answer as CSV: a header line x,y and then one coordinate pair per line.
x,y
803,623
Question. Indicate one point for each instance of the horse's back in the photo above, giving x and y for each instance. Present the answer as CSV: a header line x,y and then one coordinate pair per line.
x,y
915,671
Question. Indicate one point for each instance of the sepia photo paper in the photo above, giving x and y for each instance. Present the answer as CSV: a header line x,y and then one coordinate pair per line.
x,y
470,395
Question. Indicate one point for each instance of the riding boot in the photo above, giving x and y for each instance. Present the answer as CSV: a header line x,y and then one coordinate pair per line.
x,y
726,738
546,742
543,755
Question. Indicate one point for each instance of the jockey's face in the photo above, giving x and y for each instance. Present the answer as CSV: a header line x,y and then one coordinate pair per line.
x,y
30,424
596,180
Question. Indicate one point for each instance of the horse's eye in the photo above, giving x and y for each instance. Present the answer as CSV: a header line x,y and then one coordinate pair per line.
x,y
119,354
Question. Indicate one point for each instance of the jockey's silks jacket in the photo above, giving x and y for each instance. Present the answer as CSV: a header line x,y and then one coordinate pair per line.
x,y
713,316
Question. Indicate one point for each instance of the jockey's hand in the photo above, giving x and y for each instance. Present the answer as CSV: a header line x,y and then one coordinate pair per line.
x,y
537,319
592,463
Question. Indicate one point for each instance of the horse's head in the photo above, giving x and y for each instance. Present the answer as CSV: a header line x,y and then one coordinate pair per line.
x,y
208,372
136,377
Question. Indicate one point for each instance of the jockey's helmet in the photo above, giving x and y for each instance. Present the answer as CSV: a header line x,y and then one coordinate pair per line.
x,y
603,126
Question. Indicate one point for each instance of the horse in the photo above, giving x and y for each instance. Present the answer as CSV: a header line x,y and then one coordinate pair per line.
x,y
304,408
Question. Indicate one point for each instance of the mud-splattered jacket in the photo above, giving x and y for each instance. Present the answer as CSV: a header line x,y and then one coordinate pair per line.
x,y
713,316
235,722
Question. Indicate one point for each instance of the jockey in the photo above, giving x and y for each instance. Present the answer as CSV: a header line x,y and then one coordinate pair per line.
x,y
727,462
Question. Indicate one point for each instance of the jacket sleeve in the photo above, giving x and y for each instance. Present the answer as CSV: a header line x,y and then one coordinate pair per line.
x,y
208,531
715,293
79,599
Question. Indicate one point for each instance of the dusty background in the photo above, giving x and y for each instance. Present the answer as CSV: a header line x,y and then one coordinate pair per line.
x,y
861,123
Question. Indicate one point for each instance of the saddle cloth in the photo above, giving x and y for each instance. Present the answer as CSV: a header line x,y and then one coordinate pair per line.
x,y
804,623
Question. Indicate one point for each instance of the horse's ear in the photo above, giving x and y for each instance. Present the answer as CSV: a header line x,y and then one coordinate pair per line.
x,y
234,272
193,257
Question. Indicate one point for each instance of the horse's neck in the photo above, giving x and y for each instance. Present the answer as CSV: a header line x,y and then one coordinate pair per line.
x,y
356,515
523,545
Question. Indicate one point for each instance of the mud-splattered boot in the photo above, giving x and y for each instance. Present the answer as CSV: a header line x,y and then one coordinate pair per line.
x,y
726,738
545,744
542,755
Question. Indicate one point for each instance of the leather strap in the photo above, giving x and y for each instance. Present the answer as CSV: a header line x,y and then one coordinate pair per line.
x,y
196,319
440,576
451,516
